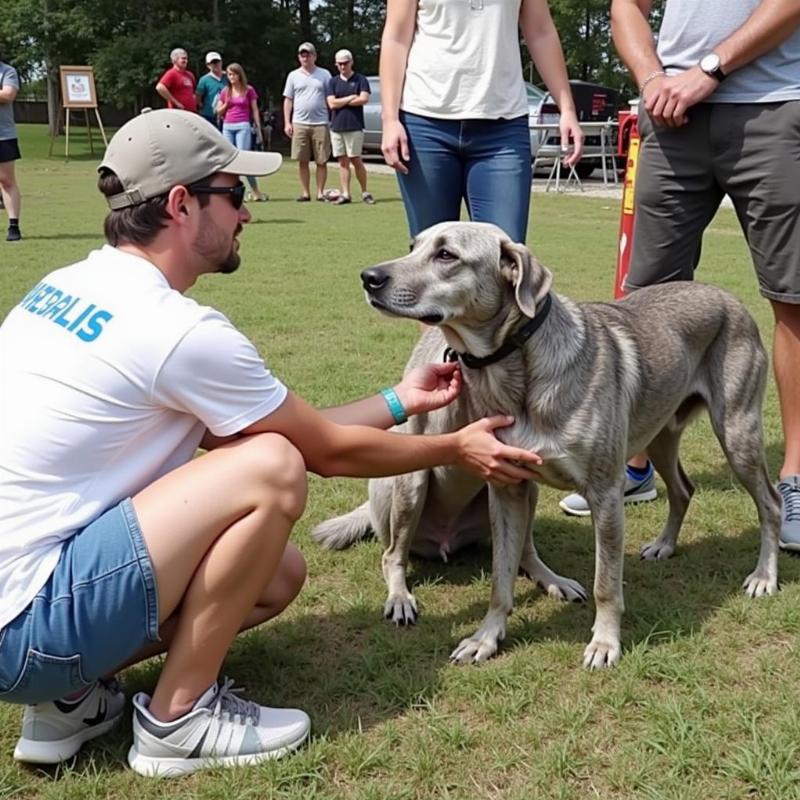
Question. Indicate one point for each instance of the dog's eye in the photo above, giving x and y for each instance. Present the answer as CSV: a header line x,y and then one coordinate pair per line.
x,y
445,255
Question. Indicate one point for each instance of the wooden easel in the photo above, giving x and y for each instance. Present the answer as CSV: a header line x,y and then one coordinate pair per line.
x,y
78,91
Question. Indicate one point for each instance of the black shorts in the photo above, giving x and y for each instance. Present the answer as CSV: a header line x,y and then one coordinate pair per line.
x,y
9,150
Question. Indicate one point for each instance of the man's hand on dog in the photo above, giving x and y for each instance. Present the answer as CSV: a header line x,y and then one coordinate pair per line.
x,y
429,387
485,455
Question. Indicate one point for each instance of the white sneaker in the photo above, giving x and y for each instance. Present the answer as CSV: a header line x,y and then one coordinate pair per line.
x,y
637,490
53,732
789,488
222,730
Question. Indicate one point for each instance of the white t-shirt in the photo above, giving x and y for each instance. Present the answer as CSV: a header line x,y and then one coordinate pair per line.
x,y
108,380
464,61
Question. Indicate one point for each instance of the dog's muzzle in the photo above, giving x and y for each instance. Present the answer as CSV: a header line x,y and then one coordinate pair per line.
x,y
374,279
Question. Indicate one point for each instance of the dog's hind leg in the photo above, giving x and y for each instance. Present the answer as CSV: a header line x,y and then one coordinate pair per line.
x,y
510,511
556,586
407,502
740,434
663,452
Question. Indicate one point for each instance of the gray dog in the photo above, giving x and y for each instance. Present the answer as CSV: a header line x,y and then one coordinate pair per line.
x,y
588,385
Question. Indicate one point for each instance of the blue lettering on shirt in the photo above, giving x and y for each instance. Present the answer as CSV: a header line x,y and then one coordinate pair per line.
x,y
75,315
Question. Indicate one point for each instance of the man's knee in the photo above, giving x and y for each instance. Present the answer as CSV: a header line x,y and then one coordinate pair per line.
x,y
273,460
344,161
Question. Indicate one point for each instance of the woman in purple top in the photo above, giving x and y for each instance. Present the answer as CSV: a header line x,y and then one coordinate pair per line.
x,y
238,107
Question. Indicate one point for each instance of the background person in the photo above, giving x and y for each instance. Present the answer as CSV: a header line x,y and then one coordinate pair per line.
x,y
238,108
455,109
305,119
9,149
348,92
177,84
115,543
720,114
209,88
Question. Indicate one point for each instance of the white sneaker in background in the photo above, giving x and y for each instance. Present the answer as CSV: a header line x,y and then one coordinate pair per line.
x,y
221,730
53,732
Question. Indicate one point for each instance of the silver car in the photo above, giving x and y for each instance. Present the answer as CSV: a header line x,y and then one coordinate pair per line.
x,y
372,115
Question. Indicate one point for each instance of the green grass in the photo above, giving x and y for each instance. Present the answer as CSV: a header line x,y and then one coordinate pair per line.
x,y
703,704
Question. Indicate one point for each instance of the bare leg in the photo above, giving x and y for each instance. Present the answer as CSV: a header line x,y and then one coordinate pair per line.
x,y
322,178
216,530
344,175
305,177
10,190
786,360
280,592
361,173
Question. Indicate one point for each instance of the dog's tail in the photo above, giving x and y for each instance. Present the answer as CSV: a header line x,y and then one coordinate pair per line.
x,y
341,532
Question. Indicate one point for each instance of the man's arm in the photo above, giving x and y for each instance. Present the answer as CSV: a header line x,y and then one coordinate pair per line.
x,y
335,102
668,98
8,94
288,107
358,451
166,94
360,99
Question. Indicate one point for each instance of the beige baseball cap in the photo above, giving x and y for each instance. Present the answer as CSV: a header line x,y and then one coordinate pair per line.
x,y
213,55
160,149
343,55
307,46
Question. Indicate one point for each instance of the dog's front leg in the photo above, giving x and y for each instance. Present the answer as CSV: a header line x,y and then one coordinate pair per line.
x,y
408,500
510,510
609,532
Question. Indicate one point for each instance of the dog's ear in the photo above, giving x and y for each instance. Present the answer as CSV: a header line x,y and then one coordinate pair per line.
x,y
531,280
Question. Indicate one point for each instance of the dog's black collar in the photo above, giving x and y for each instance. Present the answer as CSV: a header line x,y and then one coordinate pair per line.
x,y
515,341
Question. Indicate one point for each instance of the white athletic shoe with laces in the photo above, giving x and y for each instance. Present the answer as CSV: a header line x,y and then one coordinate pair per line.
x,y
637,490
53,732
789,489
222,730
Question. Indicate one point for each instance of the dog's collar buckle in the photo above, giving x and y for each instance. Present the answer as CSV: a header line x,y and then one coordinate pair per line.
x,y
514,342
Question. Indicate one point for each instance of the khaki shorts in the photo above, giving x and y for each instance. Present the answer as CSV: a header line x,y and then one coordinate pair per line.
x,y
308,139
750,151
347,143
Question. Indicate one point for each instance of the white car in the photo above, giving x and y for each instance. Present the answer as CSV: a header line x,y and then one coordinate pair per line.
x,y
372,115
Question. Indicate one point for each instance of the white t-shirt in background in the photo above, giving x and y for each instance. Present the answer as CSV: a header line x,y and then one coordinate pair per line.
x,y
109,379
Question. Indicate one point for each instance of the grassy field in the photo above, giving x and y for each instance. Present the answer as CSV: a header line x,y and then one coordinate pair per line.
x,y
703,704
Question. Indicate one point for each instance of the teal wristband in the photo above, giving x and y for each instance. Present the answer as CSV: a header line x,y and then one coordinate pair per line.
x,y
395,406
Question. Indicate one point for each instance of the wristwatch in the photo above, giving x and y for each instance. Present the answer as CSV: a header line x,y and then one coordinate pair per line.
x,y
710,64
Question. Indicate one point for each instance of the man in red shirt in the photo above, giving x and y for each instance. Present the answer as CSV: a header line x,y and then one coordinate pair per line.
x,y
177,84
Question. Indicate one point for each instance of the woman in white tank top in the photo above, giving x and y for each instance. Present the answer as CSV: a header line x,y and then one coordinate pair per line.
x,y
455,110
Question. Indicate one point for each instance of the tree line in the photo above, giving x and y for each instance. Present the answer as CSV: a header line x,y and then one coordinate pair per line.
x,y
128,41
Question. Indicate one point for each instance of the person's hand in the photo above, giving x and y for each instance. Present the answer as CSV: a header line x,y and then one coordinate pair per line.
x,y
668,98
180,106
288,129
394,146
571,137
429,387
484,455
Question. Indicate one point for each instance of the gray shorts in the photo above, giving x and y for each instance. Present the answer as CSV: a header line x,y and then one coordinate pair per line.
x,y
748,151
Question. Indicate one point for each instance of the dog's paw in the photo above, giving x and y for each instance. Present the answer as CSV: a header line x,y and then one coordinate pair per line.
x,y
474,650
759,585
564,589
657,551
601,653
401,609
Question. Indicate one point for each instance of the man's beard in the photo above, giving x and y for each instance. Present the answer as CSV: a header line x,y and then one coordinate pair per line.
x,y
207,245
230,264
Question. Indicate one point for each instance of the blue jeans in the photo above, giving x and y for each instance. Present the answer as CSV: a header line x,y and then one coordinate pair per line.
x,y
97,610
486,163
240,136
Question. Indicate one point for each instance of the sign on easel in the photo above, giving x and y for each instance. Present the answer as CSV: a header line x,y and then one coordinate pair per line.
x,y
78,91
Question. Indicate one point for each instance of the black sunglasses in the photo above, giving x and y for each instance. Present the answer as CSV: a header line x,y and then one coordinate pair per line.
x,y
236,193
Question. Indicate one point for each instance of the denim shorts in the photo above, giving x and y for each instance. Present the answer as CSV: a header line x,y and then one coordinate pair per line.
x,y
96,611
